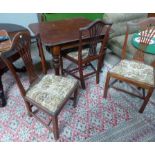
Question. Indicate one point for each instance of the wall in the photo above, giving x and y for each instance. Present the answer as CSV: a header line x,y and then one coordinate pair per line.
x,y
60,16
23,19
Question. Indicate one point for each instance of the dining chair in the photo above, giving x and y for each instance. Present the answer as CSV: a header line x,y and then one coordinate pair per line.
x,y
48,93
92,45
135,71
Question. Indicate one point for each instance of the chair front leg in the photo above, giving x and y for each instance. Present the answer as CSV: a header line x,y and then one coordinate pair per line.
x,y
99,66
75,97
106,85
146,100
55,127
29,109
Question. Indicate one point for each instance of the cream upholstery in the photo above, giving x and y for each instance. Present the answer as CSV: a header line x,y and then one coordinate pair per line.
x,y
135,70
85,52
75,54
51,91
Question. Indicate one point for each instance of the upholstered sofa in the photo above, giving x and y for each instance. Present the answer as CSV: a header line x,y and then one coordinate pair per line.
x,y
118,35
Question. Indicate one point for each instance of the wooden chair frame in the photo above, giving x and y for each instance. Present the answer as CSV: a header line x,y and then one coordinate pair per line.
x,y
21,44
149,26
89,36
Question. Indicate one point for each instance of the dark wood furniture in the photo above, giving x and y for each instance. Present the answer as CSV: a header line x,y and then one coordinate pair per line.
x,y
135,71
48,93
12,29
59,35
4,45
151,14
92,45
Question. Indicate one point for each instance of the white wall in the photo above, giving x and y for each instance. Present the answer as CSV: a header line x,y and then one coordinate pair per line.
x,y
23,19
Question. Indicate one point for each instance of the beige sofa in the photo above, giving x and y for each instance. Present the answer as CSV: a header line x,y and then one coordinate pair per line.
x,y
116,40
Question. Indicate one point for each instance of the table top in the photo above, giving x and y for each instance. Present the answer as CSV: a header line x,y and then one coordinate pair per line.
x,y
4,45
8,29
59,32
11,27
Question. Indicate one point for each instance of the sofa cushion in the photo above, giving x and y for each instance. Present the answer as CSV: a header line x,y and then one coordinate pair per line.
x,y
135,70
116,44
51,91
120,19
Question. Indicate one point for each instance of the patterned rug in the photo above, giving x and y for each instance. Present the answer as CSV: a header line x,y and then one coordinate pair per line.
x,y
93,114
137,129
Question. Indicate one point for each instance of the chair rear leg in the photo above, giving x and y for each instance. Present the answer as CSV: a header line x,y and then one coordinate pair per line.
x,y
99,66
146,100
42,56
82,77
55,127
106,85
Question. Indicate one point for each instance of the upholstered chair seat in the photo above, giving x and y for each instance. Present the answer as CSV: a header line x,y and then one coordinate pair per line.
x,y
74,54
135,70
51,91
85,52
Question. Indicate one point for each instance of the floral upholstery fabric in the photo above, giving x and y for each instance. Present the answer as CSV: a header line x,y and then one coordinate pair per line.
x,y
85,52
74,54
135,70
51,91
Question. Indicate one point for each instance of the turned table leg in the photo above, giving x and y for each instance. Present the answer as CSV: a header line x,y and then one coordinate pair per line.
x,y
2,97
56,55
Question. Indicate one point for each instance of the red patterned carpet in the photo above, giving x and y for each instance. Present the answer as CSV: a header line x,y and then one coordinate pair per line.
x,y
92,115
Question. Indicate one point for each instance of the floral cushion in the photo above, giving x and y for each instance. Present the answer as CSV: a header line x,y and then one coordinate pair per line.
x,y
135,70
51,91
74,54
85,52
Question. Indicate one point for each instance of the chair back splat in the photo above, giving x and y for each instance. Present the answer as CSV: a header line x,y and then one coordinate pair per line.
x,y
145,31
21,44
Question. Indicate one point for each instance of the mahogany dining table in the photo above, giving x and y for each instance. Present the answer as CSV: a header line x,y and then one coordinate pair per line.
x,y
59,35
